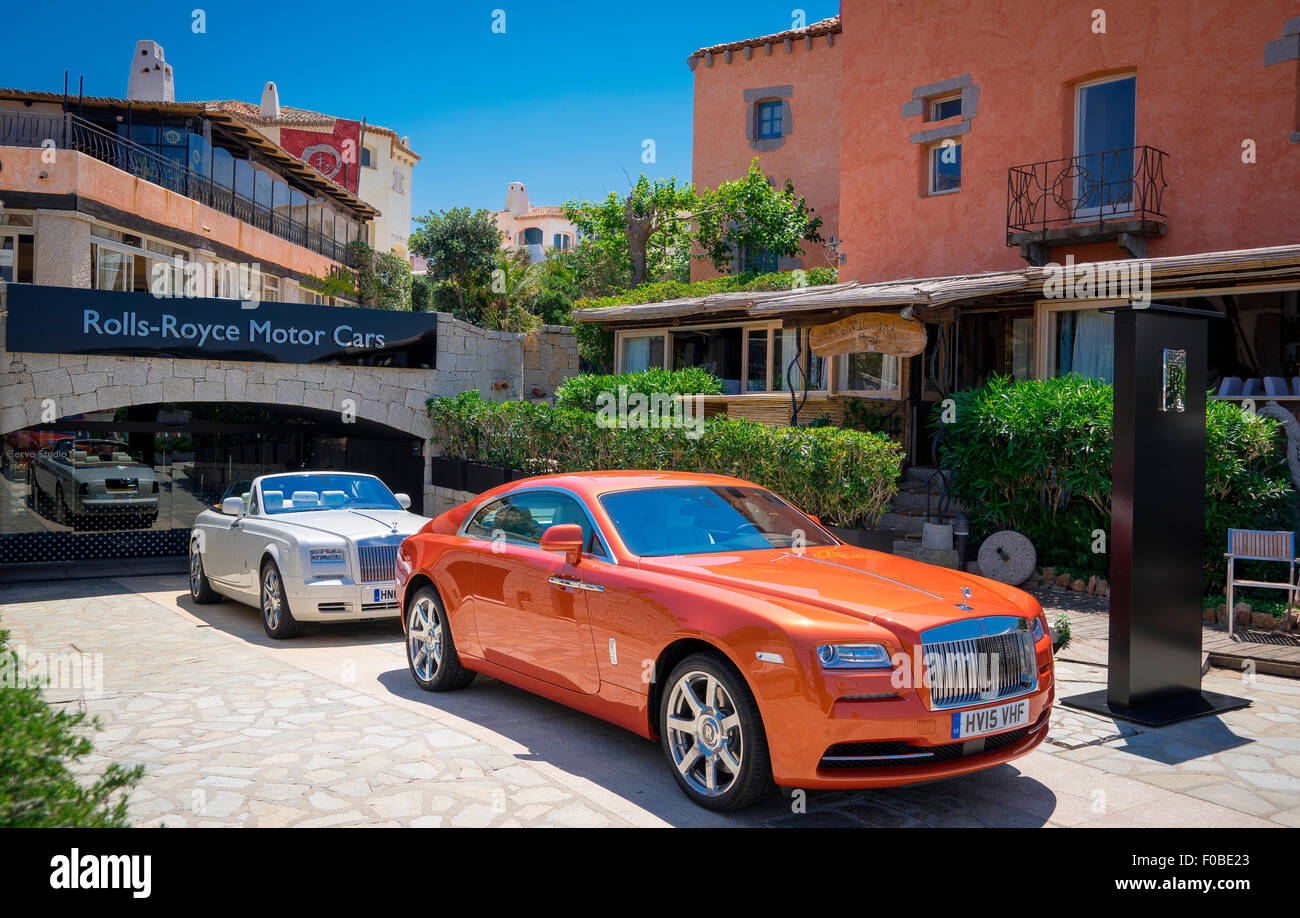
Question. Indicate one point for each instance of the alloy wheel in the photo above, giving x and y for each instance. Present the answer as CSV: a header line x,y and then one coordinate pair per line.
x,y
704,733
271,597
424,636
196,570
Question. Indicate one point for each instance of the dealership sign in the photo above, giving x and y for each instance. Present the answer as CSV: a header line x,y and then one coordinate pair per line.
x,y
68,320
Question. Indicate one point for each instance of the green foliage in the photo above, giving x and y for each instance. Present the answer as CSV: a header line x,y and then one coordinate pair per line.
x,y
625,240
582,391
460,245
1062,625
861,414
383,281
184,444
1035,456
676,290
37,746
845,477
423,294
750,215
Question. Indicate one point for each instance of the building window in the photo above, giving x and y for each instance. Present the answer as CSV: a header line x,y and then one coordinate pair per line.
x,y
562,241
945,107
1082,341
367,158
768,119
758,261
531,236
809,372
945,167
716,350
644,352
868,371
270,289
399,182
17,249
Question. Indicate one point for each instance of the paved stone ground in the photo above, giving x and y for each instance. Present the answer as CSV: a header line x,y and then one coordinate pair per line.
x,y
234,729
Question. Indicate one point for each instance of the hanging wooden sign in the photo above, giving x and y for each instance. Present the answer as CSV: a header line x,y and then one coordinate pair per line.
x,y
883,332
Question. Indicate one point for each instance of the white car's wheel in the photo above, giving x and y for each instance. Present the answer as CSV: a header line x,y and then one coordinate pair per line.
x,y
430,650
200,589
277,619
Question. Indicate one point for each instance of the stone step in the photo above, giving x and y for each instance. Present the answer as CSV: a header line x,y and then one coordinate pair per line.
x,y
920,474
908,525
906,500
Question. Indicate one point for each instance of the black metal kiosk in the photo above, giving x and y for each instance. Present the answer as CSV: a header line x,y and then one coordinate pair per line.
x,y
1157,521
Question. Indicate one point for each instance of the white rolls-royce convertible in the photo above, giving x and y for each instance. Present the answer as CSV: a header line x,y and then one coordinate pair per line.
x,y
302,547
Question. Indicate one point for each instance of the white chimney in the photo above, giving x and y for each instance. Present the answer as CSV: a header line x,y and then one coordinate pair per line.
x,y
151,76
271,103
516,198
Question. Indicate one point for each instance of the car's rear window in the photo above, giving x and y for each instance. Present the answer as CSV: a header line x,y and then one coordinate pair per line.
x,y
699,519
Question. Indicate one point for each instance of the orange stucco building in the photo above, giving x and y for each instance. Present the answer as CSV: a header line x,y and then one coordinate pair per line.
x,y
794,78
995,175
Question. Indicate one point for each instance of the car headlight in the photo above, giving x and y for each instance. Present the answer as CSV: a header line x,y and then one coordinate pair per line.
x,y
853,656
326,555
1039,627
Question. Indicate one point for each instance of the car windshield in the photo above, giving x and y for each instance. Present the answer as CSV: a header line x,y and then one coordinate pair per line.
x,y
698,519
325,491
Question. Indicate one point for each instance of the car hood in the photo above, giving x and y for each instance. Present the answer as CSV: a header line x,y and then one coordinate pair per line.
x,y
862,584
349,524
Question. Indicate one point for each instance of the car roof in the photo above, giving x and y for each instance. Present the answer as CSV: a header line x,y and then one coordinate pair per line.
x,y
593,484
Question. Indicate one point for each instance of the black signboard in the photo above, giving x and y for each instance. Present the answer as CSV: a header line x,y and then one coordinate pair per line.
x,y
70,320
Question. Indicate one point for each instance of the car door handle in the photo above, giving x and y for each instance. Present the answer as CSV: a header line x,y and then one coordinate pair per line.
x,y
576,584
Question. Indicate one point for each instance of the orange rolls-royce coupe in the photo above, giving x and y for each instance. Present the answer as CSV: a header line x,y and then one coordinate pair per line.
x,y
710,614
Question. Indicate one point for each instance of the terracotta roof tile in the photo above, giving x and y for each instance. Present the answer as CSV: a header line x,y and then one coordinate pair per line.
x,y
829,26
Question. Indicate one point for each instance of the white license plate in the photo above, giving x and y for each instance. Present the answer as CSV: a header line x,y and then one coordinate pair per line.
x,y
385,595
981,721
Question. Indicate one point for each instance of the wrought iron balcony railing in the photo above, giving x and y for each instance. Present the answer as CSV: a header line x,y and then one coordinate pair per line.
x,y
69,132
1096,188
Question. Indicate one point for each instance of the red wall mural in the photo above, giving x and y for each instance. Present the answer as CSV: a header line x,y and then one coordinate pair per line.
x,y
336,154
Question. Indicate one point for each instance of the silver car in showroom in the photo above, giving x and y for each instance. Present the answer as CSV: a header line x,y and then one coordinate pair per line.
x,y
304,547
82,481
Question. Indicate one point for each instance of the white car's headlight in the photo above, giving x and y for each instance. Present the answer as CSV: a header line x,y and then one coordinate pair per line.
x,y
326,555
853,656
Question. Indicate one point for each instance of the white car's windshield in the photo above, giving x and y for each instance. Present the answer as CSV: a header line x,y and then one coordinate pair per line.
x,y
694,520
325,491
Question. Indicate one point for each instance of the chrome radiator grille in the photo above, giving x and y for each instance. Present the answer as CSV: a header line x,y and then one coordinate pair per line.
x,y
378,562
979,667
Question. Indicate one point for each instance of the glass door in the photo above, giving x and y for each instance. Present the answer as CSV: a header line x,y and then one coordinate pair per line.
x,y
1104,136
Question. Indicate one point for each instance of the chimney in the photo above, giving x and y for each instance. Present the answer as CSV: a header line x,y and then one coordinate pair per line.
x,y
151,76
271,103
516,198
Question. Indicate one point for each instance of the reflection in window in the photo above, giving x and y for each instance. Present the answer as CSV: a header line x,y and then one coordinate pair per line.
x,y
716,350
945,167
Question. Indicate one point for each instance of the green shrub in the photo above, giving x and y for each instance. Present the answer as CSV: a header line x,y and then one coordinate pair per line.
x,y
1035,456
584,391
37,745
660,291
845,477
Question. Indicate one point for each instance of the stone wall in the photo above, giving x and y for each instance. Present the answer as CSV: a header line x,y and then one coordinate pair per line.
x,y
501,365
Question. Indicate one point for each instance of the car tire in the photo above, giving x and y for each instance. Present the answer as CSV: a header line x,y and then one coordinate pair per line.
x,y
200,588
62,515
277,619
718,753
430,650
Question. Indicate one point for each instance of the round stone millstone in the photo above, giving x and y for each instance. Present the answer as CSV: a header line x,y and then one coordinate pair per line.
x,y
1007,557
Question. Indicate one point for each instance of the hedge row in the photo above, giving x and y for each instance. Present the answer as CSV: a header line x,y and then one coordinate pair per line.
x,y
845,477
1035,456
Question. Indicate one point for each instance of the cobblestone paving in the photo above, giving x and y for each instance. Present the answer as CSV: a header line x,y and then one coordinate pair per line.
x,y
234,729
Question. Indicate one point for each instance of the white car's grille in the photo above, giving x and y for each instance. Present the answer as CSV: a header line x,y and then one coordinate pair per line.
x,y
979,660
378,563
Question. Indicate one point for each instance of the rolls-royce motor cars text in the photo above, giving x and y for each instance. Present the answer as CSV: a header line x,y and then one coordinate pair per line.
x,y
302,547
708,613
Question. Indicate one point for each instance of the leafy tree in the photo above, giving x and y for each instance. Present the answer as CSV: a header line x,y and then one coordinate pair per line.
x,y
504,302
460,245
642,235
750,214
37,745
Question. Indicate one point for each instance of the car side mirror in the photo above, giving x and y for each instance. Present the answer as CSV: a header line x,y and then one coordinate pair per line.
x,y
565,537
816,519
233,506
403,501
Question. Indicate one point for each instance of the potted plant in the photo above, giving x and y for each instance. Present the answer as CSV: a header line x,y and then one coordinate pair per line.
x,y
447,472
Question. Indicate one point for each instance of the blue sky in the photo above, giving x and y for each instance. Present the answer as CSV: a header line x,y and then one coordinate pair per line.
x,y
562,101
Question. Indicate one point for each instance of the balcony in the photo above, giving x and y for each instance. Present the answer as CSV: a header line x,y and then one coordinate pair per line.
x,y
69,132
1115,196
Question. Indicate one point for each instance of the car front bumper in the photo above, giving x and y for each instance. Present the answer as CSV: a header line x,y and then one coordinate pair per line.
x,y
803,727
341,599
